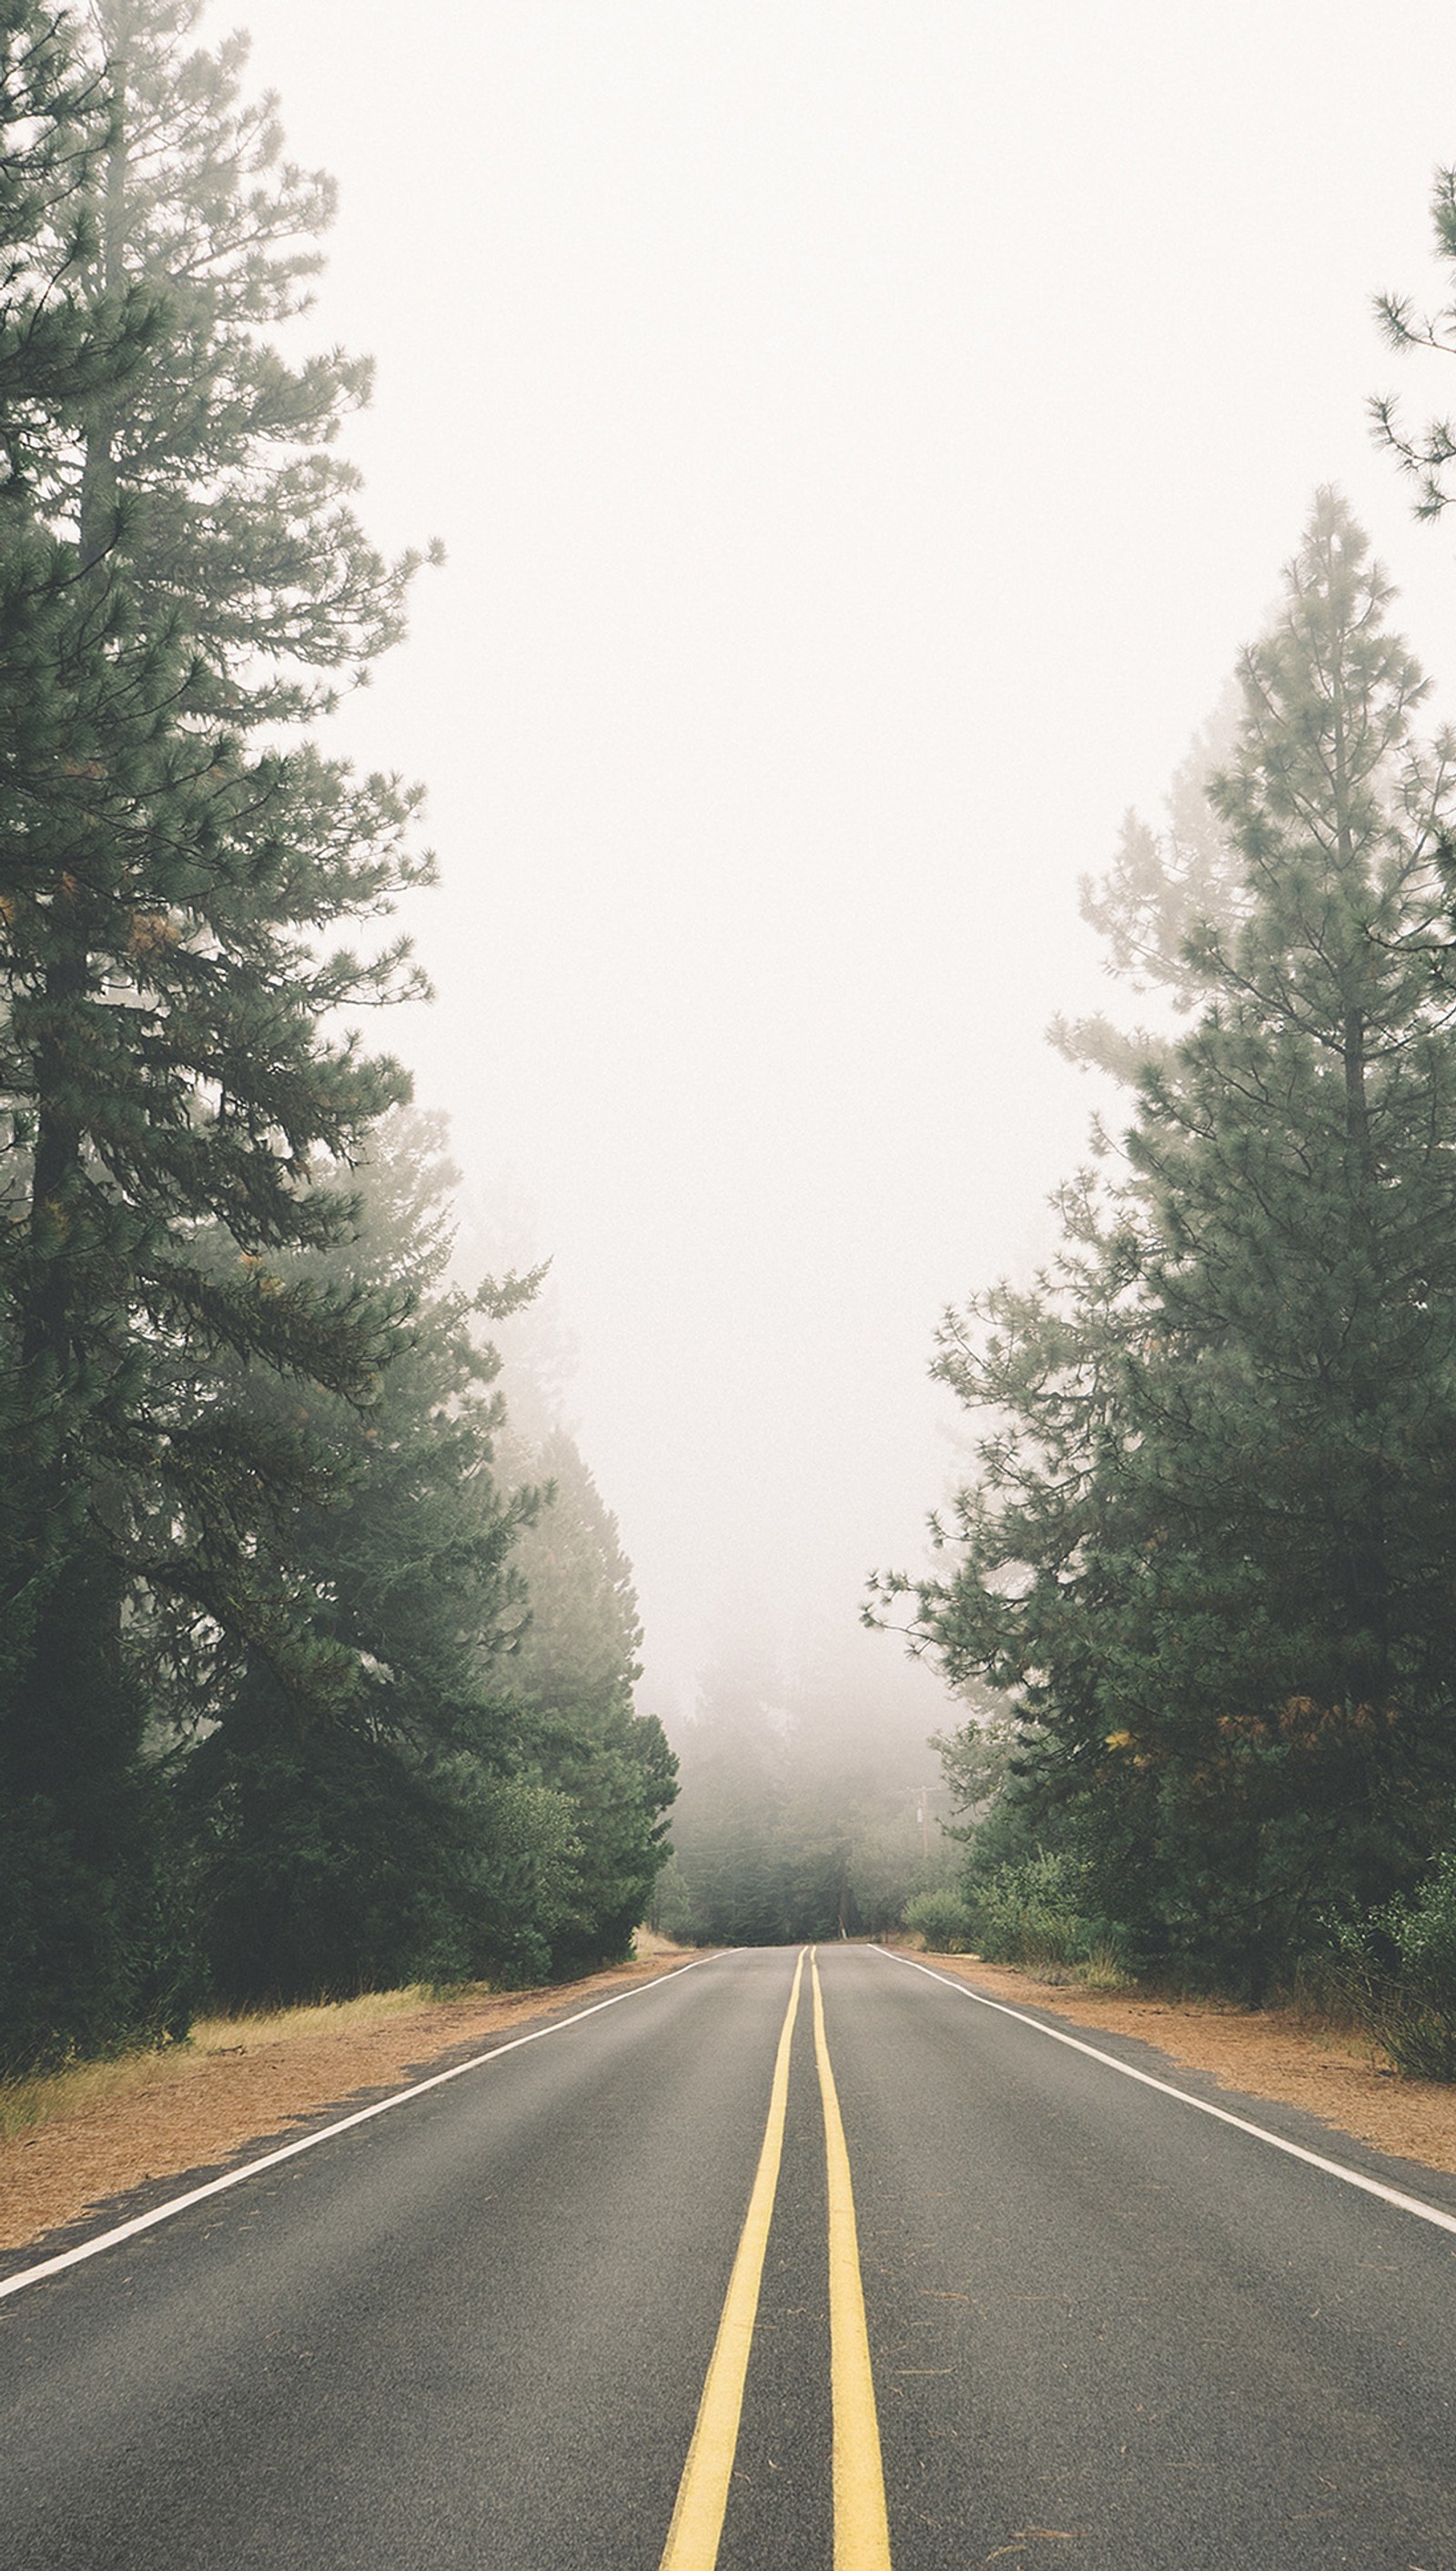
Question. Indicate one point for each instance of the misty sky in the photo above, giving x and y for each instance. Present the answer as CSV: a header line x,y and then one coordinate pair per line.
x,y
862,437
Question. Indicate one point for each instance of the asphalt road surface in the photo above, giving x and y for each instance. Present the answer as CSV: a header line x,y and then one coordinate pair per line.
x,y
596,2306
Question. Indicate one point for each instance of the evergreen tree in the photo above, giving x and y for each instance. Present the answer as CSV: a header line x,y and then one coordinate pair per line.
x,y
570,1684
190,579
727,1829
1212,1542
1163,892
84,1902
1427,455
60,349
401,1837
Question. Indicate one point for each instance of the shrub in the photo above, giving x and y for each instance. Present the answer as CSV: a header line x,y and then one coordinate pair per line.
x,y
1032,1914
942,1919
1398,1969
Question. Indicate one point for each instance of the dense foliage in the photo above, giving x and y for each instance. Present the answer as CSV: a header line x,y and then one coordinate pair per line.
x,y
1211,1544
253,1572
570,1685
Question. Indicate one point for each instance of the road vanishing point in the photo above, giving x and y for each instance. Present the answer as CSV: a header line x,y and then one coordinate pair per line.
x,y
787,2261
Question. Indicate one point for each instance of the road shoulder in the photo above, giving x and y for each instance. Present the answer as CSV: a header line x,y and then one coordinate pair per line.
x,y
1267,2054
85,2171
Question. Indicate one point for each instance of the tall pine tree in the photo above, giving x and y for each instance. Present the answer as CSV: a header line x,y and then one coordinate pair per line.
x,y
1212,1542
192,580
403,1837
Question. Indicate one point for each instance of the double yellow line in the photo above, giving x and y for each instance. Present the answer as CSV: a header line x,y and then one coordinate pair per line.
x,y
862,2535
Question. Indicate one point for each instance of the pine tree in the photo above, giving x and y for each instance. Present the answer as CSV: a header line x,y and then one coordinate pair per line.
x,y
1161,895
63,347
84,1903
407,1836
570,1684
191,580
728,1830
1427,455
1212,1539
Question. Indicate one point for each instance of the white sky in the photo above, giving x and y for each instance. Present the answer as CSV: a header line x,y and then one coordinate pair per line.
x,y
862,436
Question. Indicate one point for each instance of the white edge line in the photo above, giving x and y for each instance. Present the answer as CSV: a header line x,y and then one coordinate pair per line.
x,y
307,2142
1296,2152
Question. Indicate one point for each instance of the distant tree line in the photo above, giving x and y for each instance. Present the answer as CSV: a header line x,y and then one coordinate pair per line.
x,y
275,1713
808,1809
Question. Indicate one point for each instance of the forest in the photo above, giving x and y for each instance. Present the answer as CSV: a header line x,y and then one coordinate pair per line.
x,y
316,1658
810,1805
314,1677
1197,1594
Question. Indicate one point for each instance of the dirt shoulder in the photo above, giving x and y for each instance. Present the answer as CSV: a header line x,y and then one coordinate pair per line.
x,y
1268,2053
136,2126
247,2083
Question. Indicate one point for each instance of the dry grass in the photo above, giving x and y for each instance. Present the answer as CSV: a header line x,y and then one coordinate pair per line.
x,y
44,2100
70,2141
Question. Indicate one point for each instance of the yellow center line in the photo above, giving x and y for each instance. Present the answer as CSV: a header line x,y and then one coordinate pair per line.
x,y
693,2536
861,2532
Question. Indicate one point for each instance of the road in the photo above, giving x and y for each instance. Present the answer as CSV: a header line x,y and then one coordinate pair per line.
x,y
1099,2329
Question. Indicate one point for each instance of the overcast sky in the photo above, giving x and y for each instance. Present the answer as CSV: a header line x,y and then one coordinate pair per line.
x,y
862,437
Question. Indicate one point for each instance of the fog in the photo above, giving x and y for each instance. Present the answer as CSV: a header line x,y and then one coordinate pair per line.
x,y
862,438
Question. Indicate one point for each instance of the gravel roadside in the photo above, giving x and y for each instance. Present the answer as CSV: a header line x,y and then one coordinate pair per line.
x,y
198,2111
1266,2053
